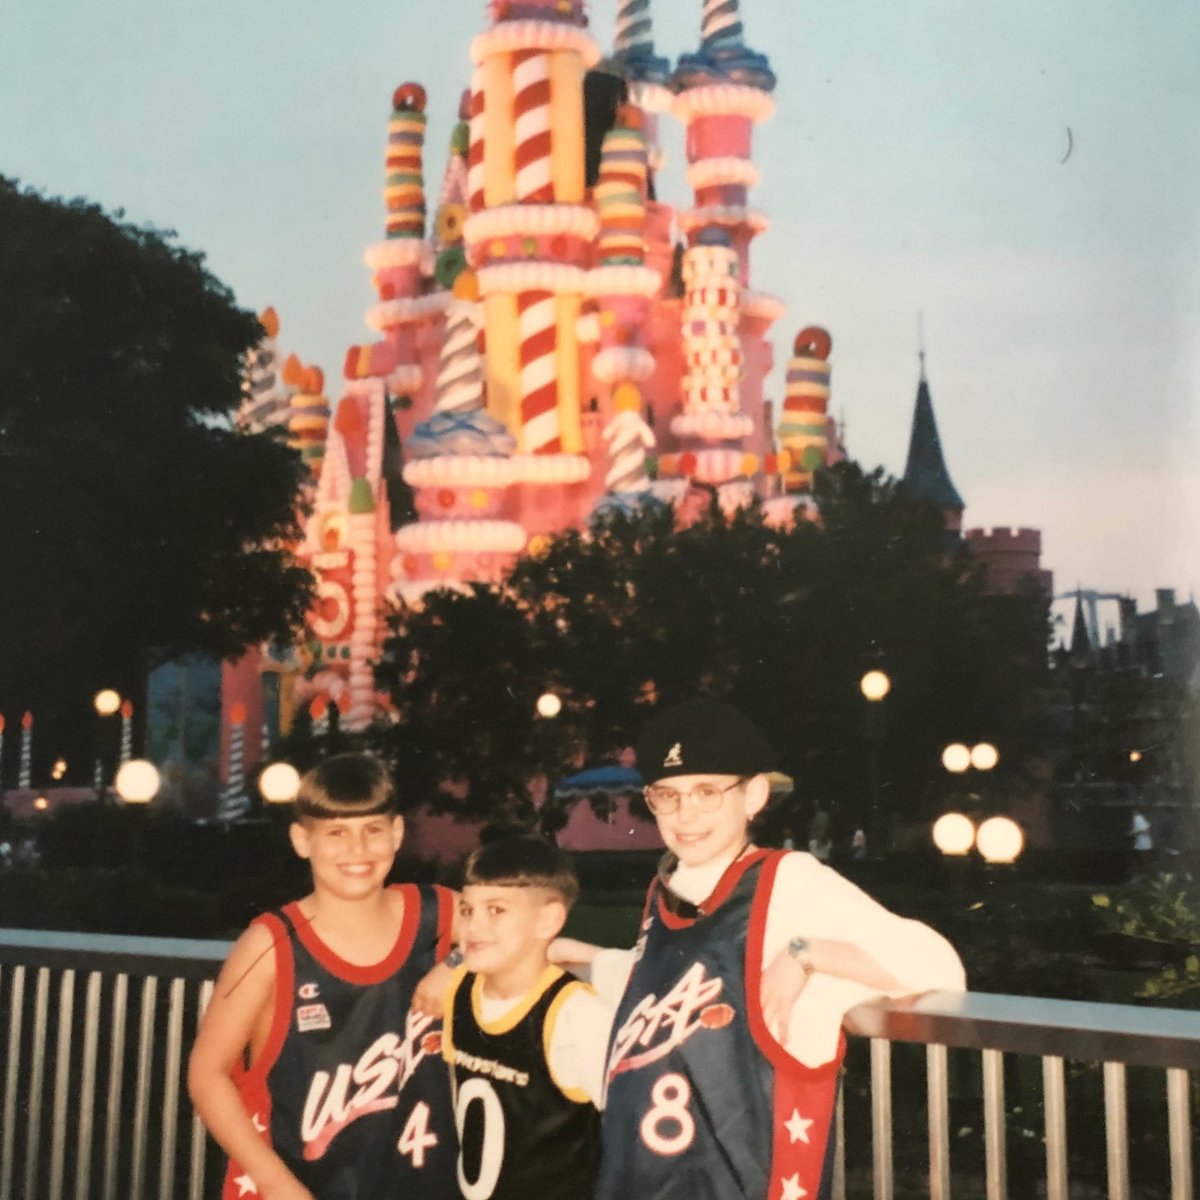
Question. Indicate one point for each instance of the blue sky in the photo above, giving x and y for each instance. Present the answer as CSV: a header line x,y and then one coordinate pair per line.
x,y
913,165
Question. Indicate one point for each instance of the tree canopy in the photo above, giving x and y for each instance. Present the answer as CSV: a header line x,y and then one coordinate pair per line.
x,y
137,525
636,612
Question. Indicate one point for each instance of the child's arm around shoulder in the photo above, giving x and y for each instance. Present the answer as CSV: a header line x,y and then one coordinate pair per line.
x,y
578,1043
241,1005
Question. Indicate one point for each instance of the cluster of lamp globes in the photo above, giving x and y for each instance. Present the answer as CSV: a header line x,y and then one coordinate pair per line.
x,y
998,839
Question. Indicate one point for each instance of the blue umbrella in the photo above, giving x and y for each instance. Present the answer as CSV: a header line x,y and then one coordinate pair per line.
x,y
609,780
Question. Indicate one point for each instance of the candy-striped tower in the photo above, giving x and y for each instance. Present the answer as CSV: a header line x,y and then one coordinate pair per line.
x,y
264,397
529,233
623,288
25,763
308,419
401,261
804,422
461,466
723,90
647,74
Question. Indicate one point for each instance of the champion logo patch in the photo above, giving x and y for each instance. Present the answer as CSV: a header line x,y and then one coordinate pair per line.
x,y
308,991
674,756
312,1016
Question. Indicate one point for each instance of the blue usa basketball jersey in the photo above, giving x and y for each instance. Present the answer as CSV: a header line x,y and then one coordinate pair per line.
x,y
702,1102
350,1088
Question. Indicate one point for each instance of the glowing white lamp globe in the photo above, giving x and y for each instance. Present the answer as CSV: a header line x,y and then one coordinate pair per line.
x,y
875,685
106,702
984,756
548,705
137,781
956,758
1000,840
279,783
953,833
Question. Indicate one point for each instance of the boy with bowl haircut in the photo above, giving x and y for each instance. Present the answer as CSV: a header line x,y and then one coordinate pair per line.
x,y
309,1068
726,1046
525,1042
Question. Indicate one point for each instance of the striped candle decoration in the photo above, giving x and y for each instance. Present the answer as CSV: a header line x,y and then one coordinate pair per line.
x,y
531,110
126,731
475,125
721,24
25,766
460,368
404,183
233,801
537,322
628,437
635,28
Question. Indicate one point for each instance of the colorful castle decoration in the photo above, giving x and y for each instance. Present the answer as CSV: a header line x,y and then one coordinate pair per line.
x,y
556,342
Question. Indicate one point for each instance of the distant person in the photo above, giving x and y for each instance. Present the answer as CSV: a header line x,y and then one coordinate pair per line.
x,y
525,1041
858,845
820,837
726,1049
1142,839
309,1067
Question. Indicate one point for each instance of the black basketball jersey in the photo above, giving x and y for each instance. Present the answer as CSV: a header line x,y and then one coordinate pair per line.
x,y
350,1088
702,1102
520,1136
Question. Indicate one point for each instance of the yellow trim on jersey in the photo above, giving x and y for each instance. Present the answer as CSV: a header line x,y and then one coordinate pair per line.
x,y
460,973
577,1095
518,1012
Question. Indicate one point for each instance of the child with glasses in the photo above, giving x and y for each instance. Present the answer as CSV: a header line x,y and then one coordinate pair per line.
x,y
726,1046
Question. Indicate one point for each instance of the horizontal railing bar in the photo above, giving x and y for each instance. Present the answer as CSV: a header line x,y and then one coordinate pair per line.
x,y
182,958
1158,1037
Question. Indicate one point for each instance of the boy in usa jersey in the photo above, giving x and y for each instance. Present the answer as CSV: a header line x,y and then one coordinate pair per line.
x,y
726,1046
524,1041
310,1067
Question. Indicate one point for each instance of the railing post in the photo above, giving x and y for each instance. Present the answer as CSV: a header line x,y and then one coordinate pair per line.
x,y
881,1118
938,1081
16,993
62,1078
1054,1101
1179,1124
995,1146
1116,1131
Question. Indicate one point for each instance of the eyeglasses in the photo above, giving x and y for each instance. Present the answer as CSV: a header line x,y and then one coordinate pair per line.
x,y
705,797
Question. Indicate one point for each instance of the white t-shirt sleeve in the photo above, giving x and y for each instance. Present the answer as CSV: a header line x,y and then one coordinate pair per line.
x,y
812,900
610,973
578,1047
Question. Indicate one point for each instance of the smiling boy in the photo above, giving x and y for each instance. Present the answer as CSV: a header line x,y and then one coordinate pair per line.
x,y
726,1045
525,1042
309,1068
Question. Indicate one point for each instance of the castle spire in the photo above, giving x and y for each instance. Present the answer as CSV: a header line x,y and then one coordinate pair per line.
x,y
925,472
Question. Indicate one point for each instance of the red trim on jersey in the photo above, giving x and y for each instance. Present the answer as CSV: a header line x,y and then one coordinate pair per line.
x,y
808,1092
357,972
445,923
720,893
281,1006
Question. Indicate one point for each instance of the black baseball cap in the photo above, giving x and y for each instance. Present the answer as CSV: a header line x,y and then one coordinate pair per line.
x,y
702,737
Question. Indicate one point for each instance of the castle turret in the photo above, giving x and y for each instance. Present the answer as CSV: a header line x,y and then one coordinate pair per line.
x,y
925,472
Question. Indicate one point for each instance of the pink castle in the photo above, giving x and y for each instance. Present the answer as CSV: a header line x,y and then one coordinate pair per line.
x,y
552,341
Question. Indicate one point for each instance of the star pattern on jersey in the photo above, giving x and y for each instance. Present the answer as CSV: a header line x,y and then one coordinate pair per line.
x,y
792,1189
245,1185
257,1122
798,1127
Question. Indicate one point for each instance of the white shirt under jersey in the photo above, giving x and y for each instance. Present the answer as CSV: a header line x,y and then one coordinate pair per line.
x,y
811,900
578,1042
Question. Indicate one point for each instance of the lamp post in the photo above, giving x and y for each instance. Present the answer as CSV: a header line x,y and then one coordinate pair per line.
x,y
106,702
278,785
874,685
137,783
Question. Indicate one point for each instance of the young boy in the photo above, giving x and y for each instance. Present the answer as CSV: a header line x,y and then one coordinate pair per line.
x,y
525,1042
309,1068
726,1045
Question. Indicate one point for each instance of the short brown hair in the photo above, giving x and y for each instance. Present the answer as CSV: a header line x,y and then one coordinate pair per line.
x,y
346,785
524,860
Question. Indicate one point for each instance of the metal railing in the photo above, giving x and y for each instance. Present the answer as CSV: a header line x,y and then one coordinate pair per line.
x,y
95,1032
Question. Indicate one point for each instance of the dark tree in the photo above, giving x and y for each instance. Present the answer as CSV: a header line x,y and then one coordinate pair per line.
x,y
136,524
636,612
